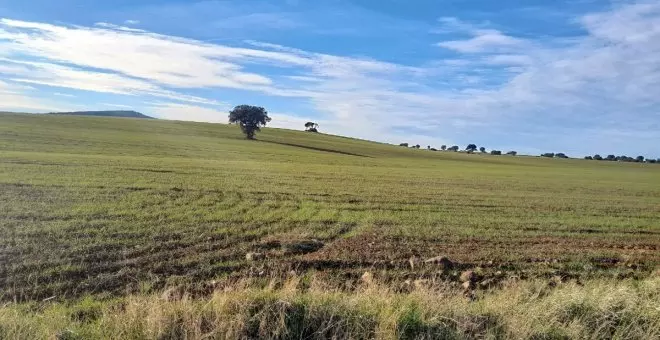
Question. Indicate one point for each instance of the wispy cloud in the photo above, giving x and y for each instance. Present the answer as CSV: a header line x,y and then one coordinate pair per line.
x,y
485,41
481,39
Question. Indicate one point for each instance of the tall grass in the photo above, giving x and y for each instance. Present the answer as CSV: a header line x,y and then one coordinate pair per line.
x,y
599,309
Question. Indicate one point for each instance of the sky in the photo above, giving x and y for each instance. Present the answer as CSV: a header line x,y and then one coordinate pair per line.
x,y
574,76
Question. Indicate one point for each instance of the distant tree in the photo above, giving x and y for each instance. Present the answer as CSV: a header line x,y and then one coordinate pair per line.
x,y
428,147
416,146
311,127
495,152
560,155
482,149
639,159
454,148
548,154
433,149
512,153
404,144
598,157
589,158
249,118
651,161
443,147
471,147
610,158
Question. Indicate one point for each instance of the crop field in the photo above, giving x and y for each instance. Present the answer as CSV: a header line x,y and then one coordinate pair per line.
x,y
112,206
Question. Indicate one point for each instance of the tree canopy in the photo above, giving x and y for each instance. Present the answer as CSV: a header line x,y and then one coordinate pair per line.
x,y
249,118
311,127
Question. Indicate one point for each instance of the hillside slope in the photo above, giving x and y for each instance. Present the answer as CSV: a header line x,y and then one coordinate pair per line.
x,y
97,204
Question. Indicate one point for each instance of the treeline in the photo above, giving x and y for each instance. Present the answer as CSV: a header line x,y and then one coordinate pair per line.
x,y
613,158
471,148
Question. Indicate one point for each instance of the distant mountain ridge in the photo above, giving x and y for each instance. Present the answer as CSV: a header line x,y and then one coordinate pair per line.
x,y
120,113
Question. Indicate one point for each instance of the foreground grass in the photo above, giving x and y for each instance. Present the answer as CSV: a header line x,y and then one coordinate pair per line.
x,y
307,309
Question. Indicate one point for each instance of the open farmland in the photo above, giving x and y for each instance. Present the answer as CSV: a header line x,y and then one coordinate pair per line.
x,y
115,206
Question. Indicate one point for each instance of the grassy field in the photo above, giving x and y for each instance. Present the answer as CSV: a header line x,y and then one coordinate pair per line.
x,y
114,207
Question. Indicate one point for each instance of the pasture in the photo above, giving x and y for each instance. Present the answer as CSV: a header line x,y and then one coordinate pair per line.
x,y
115,206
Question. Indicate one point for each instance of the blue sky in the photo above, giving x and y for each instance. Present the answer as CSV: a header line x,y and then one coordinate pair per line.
x,y
573,76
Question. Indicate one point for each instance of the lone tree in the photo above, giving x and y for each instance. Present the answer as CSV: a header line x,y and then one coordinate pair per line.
x,y
482,149
443,147
250,118
311,127
598,157
471,147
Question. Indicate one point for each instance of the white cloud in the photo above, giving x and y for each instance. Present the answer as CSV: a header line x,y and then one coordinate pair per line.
x,y
132,22
40,73
485,40
143,55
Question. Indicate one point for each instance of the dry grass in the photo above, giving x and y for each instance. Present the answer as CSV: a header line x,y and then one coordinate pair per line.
x,y
303,308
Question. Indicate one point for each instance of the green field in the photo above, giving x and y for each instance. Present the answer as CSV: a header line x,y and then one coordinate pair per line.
x,y
112,205
100,216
